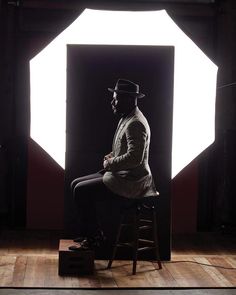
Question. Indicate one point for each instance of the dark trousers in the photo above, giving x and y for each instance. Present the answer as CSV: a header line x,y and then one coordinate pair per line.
x,y
87,191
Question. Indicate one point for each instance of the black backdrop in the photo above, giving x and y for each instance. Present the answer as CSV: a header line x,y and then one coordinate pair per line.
x,y
91,69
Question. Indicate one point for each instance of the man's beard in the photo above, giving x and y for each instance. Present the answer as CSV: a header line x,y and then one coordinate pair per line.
x,y
118,113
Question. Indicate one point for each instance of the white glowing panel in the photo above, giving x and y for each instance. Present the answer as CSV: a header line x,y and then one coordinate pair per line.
x,y
194,79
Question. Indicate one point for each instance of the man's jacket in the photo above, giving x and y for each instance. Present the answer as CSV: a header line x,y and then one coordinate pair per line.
x,y
128,173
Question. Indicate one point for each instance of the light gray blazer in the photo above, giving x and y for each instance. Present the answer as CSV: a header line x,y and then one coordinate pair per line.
x,y
128,173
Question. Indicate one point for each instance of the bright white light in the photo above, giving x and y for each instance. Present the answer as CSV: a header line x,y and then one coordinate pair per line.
x,y
194,79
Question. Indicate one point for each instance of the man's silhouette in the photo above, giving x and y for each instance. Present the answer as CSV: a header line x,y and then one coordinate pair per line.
x,y
126,174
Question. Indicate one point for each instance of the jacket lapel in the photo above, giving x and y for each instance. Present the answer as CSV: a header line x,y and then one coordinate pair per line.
x,y
115,135
121,126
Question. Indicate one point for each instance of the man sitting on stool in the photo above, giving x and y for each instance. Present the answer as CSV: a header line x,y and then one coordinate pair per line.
x,y
126,174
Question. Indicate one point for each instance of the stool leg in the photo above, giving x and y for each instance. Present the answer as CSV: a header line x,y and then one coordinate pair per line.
x,y
155,235
116,242
136,236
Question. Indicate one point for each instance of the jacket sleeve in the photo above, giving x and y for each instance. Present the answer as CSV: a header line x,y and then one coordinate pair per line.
x,y
136,136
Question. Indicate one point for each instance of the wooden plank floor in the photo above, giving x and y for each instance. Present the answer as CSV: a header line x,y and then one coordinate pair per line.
x,y
11,291
30,259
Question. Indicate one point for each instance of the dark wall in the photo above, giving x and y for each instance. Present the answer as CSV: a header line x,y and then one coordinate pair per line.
x,y
14,124
24,32
27,28
45,190
217,207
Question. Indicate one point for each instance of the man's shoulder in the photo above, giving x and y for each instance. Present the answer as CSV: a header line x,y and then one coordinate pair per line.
x,y
138,122
139,117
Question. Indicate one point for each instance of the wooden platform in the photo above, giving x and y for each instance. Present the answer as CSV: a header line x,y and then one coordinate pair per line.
x,y
74,262
30,259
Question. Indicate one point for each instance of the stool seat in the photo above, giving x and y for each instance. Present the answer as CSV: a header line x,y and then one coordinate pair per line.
x,y
141,223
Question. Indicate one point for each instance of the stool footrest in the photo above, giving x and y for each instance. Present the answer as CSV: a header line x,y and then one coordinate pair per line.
x,y
145,248
150,242
125,245
145,220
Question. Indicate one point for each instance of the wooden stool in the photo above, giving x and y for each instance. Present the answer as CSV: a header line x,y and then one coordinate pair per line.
x,y
137,209
74,262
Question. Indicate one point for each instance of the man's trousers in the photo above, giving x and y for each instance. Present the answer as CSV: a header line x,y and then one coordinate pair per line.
x,y
87,192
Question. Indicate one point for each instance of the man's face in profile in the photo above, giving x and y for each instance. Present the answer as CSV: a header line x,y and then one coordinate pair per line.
x,y
118,104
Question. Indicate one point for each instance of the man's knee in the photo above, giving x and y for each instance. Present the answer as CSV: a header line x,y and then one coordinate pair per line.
x,y
80,189
84,178
79,186
75,182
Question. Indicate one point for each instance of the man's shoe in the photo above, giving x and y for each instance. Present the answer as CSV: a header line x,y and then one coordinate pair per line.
x,y
79,239
93,242
77,247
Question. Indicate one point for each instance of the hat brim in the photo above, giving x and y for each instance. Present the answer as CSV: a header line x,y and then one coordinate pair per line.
x,y
138,95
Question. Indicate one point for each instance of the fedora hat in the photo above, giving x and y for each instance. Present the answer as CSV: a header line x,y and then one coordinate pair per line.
x,y
126,86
